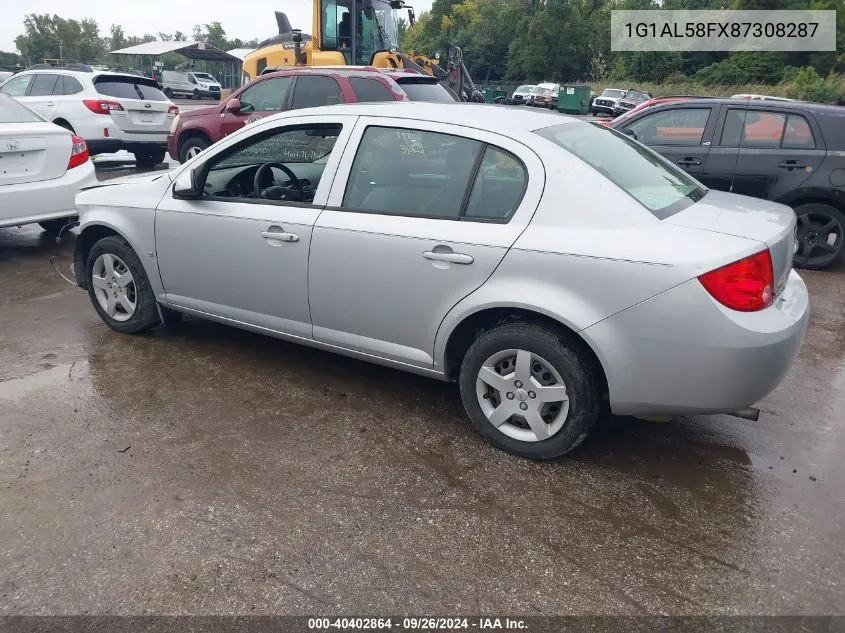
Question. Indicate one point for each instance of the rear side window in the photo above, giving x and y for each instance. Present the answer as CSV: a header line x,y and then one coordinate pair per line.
x,y
128,88
13,112
651,180
798,134
311,92
67,86
42,85
431,92
412,173
678,126
753,128
17,86
498,187
369,90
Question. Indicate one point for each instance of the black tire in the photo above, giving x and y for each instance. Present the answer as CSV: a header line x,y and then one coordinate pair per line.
x,y
168,93
814,250
54,226
196,95
149,157
568,359
195,142
146,315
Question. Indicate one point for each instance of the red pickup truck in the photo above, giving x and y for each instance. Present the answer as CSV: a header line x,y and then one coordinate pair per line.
x,y
306,87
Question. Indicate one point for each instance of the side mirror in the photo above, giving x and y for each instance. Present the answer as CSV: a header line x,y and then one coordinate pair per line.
x,y
412,17
186,185
233,106
629,132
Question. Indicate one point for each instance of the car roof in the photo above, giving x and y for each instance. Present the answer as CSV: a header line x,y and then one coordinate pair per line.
x,y
759,104
495,118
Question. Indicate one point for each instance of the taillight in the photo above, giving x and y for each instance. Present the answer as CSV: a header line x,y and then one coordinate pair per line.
x,y
174,110
175,125
99,106
79,153
747,285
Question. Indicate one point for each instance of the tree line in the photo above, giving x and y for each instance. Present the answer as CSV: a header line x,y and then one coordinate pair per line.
x,y
81,41
569,41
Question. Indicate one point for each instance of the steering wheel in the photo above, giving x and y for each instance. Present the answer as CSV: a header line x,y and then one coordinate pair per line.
x,y
277,192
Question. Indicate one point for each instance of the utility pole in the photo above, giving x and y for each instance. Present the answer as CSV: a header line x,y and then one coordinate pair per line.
x,y
61,50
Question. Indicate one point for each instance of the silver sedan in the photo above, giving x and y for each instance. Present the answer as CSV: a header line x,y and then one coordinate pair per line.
x,y
549,266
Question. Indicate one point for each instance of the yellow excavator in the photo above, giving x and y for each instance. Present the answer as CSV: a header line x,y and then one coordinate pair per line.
x,y
356,33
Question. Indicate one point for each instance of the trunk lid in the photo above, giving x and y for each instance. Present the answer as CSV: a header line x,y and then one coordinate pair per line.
x,y
767,222
30,152
146,109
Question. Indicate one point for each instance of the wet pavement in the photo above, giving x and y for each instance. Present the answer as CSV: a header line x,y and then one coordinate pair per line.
x,y
208,470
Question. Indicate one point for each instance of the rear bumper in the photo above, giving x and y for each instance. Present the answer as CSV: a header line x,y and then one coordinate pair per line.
x,y
44,199
683,353
102,136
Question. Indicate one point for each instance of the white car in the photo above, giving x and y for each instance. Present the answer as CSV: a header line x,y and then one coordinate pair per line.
x,y
111,111
42,167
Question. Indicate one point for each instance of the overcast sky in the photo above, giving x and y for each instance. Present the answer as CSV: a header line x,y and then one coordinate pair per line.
x,y
245,20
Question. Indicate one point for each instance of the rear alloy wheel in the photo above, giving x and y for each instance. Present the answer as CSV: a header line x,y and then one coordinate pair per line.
x,y
149,157
191,148
119,288
196,94
168,93
821,236
529,392
54,226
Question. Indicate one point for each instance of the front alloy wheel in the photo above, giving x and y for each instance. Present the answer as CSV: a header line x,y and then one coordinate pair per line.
x,y
114,287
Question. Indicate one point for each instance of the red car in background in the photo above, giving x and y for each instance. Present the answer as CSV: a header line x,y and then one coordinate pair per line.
x,y
306,87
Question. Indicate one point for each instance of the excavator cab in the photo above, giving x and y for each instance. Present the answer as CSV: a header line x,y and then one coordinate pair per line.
x,y
358,29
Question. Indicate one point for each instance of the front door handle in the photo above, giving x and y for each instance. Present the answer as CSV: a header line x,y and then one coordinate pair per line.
x,y
279,235
689,162
50,104
789,165
452,258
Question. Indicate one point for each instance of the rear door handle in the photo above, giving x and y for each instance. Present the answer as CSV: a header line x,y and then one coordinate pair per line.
x,y
452,258
279,236
689,162
789,165
50,104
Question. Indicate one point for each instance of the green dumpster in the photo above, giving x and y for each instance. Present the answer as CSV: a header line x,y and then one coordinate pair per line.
x,y
574,99
490,95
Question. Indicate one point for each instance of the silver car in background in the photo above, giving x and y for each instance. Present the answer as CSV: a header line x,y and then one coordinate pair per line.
x,y
548,265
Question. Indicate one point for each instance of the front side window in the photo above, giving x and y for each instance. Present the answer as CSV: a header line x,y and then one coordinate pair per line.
x,y
414,173
17,86
652,181
679,126
284,165
314,91
267,95
42,85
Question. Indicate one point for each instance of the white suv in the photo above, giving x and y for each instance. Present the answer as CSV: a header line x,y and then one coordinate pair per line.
x,y
111,111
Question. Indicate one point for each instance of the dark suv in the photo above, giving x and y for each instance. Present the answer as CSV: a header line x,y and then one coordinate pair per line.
x,y
291,89
789,152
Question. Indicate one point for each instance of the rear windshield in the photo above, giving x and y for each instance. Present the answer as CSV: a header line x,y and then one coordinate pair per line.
x,y
129,88
13,112
432,92
643,174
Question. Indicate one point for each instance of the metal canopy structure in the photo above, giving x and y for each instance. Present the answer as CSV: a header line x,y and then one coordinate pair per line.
x,y
191,50
143,57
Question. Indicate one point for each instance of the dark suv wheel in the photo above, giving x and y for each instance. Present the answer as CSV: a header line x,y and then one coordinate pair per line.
x,y
821,236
